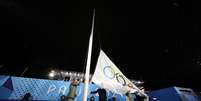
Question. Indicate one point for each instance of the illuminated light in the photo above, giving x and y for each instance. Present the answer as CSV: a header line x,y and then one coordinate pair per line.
x,y
154,98
70,74
81,79
51,74
66,73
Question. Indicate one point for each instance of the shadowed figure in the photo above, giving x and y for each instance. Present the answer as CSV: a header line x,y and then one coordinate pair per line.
x,y
139,97
26,97
102,94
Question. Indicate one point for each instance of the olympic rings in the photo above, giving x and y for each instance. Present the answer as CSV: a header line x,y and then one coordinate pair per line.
x,y
109,72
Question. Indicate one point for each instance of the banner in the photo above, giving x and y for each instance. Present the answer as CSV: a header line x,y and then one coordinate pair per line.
x,y
108,76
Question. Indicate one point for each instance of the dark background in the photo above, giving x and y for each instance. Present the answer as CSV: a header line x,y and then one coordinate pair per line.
x,y
155,41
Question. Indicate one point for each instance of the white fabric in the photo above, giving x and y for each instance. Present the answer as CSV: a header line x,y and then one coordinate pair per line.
x,y
108,76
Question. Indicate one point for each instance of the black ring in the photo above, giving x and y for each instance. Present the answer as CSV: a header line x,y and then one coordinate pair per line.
x,y
118,80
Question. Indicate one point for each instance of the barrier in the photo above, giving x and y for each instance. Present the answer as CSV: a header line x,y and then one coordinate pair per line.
x,y
14,88
173,94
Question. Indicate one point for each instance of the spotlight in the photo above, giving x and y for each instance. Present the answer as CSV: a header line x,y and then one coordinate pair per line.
x,y
70,74
52,74
66,73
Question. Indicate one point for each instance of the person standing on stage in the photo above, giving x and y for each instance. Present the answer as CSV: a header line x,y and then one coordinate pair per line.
x,y
72,90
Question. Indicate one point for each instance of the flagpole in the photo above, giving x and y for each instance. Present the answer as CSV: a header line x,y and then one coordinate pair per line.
x,y
142,93
88,61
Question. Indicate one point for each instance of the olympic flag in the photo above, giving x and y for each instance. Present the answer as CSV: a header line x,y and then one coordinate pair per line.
x,y
108,76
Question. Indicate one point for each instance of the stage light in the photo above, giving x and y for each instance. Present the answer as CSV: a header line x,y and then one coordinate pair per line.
x,y
70,74
66,73
139,82
51,74
154,99
81,79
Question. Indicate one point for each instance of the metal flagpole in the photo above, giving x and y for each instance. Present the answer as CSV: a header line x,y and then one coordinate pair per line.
x,y
86,82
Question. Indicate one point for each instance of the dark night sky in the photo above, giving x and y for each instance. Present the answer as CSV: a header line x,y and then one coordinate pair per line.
x,y
157,41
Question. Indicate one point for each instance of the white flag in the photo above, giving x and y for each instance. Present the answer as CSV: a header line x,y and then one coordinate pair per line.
x,y
108,76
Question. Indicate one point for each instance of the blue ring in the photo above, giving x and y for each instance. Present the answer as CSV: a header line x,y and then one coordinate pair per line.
x,y
104,71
